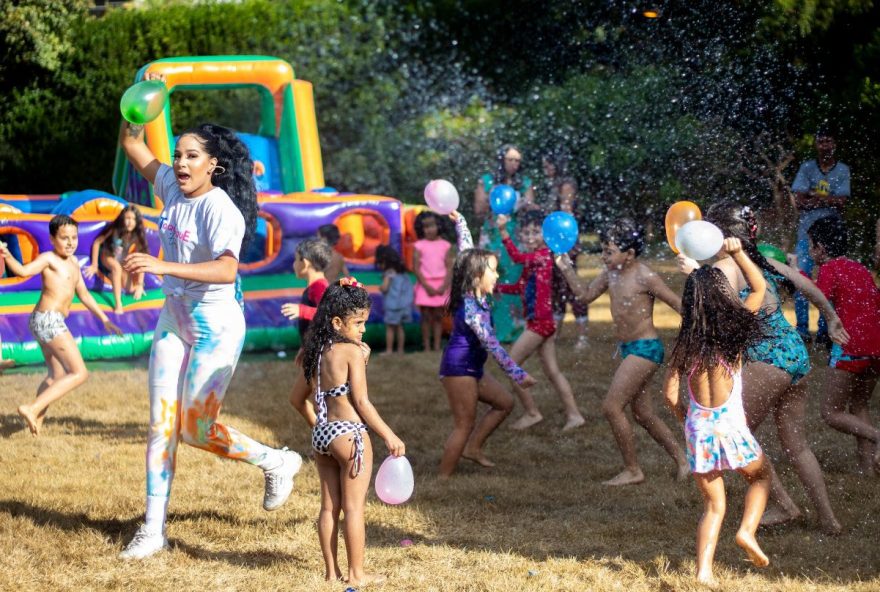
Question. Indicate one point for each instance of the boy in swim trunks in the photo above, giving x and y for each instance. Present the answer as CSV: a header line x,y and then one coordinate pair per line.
x,y
849,286
632,287
62,279
535,287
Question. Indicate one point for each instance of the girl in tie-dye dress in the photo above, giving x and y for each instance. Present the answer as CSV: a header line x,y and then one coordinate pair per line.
x,y
716,331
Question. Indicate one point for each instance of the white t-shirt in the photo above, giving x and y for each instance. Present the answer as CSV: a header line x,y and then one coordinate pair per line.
x,y
195,230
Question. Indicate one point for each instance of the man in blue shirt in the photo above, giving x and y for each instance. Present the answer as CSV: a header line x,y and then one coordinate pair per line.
x,y
821,189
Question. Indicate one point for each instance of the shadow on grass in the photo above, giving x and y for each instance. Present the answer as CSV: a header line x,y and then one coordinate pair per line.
x,y
240,558
115,529
120,432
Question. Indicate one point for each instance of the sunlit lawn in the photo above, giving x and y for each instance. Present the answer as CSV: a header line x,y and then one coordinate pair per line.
x,y
539,521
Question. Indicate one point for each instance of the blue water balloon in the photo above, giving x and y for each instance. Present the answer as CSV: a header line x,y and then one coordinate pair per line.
x,y
560,232
502,199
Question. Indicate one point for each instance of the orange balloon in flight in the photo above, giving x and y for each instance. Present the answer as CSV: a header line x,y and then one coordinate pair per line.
x,y
679,214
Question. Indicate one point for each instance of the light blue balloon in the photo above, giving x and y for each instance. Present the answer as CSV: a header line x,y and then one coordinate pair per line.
x,y
560,232
502,200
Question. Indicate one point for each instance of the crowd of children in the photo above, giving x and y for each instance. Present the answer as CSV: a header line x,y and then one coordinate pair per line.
x,y
739,358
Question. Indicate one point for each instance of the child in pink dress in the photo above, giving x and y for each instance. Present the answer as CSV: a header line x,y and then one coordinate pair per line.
x,y
432,263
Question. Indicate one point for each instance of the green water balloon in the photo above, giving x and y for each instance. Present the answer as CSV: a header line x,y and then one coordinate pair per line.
x,y
143,101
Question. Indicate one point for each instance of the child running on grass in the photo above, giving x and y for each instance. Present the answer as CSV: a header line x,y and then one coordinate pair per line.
x,y
716,330
397,290
535,287
62,280
334,365
311,259
112,247
433,257
461,368
855,367
633,287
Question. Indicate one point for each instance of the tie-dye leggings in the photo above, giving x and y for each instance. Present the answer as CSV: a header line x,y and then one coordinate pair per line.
x,y
195,349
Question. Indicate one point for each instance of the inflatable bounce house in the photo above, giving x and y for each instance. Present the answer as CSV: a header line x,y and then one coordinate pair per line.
x,y
289,175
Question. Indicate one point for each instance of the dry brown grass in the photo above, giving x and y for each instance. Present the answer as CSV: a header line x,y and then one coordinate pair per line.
x,y
539,521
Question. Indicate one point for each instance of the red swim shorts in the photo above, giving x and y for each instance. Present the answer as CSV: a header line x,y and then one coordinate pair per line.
x,y
544,328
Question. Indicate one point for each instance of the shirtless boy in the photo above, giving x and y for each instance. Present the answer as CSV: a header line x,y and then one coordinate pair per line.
x,y
633,287
61,280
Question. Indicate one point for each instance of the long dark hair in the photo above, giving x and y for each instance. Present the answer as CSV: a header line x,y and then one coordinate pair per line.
x,y
501,173
387,257
738,221
466,274
715,326
237,180
116,229
340,300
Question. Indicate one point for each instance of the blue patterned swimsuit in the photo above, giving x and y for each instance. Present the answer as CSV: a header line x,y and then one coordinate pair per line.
x,y
784,348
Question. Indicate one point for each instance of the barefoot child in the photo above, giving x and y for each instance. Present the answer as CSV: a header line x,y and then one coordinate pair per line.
x,y
633,287
397,290
62,279
112,247
535,287
461,368
716,331
855,367
311,259
334,365
433,257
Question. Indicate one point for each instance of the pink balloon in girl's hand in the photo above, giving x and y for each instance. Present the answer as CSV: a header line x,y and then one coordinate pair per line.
x,y
441,196
394,480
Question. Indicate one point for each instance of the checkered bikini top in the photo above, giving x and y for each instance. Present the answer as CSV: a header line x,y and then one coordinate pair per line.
x,y
336,391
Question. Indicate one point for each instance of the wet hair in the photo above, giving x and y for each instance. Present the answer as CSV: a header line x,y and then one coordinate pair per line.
x,y
738,221
625,234
237,180
501,173
317,251
387,257
117,229
824,131
329,233
466,275
530,218
559,160
60,220
715,326
831,234
340,300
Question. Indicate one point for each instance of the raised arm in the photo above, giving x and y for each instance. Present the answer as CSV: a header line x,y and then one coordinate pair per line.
x,y
357,376
478,319
836,331
465,241
36,266
585,294
516,255
752,273
131,138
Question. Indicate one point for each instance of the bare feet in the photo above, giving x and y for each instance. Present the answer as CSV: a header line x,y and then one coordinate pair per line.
x,y
527,421
30,419
707,580
831,526
573,422
366,580
749,544
775,515
478,457
119,310
6,365
386,353
626,477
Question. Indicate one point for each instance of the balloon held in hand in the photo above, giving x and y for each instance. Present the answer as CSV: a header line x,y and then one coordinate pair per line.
x,y
441,196
394,480
502,199
699,240
679,214
144,101
560,232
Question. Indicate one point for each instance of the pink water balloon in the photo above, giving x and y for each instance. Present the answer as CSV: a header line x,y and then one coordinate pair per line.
x,y
441,196
394,480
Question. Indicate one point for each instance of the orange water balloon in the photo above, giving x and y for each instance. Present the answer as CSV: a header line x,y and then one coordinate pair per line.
x,y
679,214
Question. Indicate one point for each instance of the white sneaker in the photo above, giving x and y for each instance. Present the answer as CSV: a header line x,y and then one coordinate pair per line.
x,y
144,543
279,481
